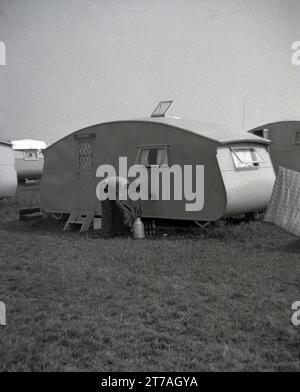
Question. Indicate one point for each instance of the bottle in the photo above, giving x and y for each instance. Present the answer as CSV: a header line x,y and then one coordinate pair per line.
x,y
138,229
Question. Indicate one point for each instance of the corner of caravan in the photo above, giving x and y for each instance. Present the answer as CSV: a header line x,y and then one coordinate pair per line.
x,y
8,174
284,139
29,158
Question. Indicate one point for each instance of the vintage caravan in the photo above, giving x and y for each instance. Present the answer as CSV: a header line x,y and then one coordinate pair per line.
x,y
285,143
29,158
238,173
8,175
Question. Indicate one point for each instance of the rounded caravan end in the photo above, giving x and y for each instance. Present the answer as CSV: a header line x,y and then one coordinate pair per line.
x,y
29,158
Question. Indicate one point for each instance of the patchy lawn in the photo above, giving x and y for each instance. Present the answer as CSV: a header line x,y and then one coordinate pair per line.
x,y
216,299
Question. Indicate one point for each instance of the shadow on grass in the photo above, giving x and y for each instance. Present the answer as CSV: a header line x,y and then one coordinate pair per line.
x,y
291,247
34,225
258,234
217,230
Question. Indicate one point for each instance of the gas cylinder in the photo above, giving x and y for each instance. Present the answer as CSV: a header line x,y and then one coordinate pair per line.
x,y
138,229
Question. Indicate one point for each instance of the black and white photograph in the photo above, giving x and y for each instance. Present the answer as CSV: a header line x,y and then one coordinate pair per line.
x,y
149,189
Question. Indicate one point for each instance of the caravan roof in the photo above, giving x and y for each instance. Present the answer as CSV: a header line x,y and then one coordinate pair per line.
x,y
28,144
219,133
216,132
7,143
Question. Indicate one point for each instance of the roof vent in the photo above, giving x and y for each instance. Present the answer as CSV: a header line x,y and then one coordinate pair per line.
x,y
162,109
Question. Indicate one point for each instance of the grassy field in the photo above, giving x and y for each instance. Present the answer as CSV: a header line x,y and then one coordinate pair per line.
x,y
196,300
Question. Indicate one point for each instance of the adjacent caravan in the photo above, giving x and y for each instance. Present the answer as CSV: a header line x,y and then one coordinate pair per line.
x,y
8,175
29,158
285,143
238,173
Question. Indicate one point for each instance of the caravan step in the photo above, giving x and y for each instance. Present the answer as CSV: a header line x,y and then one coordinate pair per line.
x,y
83,218
26,213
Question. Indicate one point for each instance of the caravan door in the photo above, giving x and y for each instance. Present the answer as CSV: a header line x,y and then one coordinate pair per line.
x,y
155,159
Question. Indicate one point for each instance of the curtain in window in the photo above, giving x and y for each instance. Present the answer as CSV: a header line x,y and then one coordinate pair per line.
x,y
161,157
153,156
144,157
297,137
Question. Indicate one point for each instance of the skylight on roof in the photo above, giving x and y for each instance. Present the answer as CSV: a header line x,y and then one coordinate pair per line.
x,y
162,109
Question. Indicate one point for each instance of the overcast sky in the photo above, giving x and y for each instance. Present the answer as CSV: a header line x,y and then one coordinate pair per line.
x,y
74,63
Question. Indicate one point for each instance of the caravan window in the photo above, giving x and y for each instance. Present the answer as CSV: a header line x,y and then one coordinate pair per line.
x,y
297,137
152,156
31,156
244,158
259,132
262,133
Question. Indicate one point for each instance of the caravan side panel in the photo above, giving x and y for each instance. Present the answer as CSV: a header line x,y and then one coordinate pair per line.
x,y
65,188
59,181
67,185
285,147
186,148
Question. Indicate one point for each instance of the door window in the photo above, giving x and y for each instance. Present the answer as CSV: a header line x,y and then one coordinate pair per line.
x,y
152,156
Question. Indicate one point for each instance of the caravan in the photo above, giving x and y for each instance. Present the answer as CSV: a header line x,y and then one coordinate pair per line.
x,y
238,173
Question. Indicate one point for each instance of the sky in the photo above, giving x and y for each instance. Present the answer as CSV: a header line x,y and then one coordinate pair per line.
x,y
75,63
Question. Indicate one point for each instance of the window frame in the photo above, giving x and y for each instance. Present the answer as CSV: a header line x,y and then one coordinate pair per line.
x,y
164,147
296,132
265,133
31,155
253,165
158,112
82,156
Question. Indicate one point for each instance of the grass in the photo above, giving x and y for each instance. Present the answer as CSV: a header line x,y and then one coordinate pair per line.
x,y
217,299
